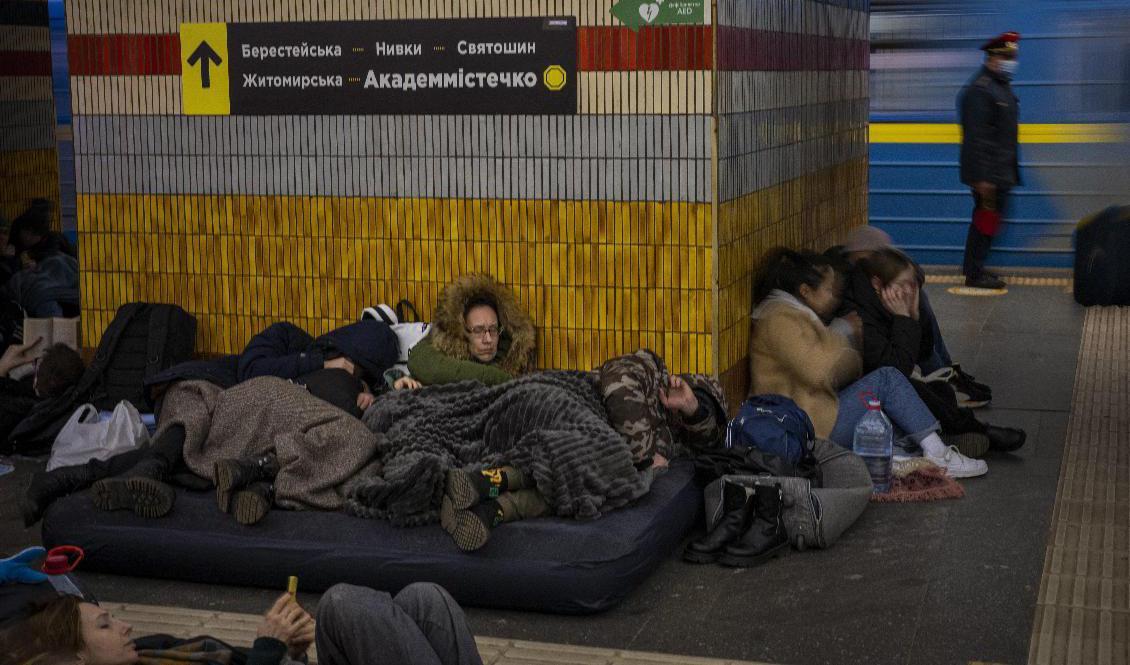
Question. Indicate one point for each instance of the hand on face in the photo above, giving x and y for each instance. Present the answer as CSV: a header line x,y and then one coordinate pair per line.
x,y
678,396
17,355
341,362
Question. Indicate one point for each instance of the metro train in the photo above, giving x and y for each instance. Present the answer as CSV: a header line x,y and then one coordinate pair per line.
x,y
1074,91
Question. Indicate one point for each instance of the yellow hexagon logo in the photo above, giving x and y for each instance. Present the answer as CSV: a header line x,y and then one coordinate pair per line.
x,y
554,77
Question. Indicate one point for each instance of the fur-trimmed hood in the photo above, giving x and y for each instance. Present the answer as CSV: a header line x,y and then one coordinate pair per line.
x,y
519,337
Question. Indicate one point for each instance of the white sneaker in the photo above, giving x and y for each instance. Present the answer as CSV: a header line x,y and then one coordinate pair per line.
x,y
957,465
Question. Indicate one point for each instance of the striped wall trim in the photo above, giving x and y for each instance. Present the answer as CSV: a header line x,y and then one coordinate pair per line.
x,y
112,16
741,92
578,137
25,38
1029,133
801,16
20,88
599,48
25,63
744,49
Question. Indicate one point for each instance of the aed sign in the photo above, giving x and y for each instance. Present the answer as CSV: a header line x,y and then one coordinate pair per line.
x,y
418,67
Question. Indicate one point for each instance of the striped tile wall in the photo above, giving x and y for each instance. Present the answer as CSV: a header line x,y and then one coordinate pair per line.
x,y
604,222
28,159
792,111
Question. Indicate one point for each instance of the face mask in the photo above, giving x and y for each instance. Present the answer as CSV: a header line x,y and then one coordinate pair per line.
x,y
1008,67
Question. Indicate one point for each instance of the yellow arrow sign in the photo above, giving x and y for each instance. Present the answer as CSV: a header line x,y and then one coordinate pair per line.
x,y
204,69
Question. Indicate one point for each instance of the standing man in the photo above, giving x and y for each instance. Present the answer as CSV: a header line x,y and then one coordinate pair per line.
x,y
989,157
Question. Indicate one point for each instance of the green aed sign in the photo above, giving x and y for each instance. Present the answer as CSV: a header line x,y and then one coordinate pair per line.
x,y
639,13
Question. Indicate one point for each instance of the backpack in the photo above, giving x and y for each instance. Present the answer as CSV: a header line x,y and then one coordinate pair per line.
x,y
775,425
142,340
408,333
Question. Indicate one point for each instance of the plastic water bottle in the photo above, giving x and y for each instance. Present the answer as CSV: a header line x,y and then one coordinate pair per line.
x,y
874,437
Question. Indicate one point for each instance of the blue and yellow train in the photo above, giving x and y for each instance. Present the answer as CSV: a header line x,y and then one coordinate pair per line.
x,y
1074,90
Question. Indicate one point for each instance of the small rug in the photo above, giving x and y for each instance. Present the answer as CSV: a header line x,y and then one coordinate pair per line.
x,y
919,479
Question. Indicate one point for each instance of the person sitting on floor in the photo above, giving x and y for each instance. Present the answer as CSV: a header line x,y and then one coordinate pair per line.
x,y
59,368
863,242
330,367
354,626
793,353
885,290
479,333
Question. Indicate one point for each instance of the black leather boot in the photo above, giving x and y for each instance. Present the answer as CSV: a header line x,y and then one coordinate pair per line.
x,y
231,475
141,489
50,485
253,502
765,538
737,506
1005,439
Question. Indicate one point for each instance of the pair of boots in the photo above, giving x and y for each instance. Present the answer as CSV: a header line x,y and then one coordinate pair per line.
x,y
474,502
750,531
245,487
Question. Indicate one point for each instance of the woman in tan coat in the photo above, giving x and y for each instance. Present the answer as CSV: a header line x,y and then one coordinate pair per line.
x,y
794,353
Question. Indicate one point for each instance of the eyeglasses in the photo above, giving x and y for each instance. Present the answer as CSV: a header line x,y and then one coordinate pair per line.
x,y
484,331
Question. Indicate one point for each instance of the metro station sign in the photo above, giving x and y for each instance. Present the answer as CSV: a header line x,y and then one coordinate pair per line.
x,y
511,66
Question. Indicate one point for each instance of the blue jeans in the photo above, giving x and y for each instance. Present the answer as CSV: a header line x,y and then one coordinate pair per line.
x,y
941,356
911,418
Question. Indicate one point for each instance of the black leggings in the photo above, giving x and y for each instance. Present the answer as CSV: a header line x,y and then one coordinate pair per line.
x,y
169,448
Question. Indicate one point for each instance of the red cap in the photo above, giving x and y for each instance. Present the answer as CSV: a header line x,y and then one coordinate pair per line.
x,y
1006,42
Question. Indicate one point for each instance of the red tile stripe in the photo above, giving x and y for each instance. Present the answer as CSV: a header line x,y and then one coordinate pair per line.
x,y
25,63
745,49
598,49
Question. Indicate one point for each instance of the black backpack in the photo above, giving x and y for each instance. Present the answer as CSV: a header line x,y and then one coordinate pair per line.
x,y
142,340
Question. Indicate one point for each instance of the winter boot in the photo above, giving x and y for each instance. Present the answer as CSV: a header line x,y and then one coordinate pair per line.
x,y
50,485
253,502
470,528
469,488
141,489
765,538
231,475
1005,439
736,503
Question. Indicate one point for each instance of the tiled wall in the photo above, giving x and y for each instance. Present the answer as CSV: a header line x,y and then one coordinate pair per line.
x,y
604,221
28,161
791,98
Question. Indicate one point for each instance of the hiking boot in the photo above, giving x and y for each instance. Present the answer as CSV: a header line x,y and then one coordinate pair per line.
x,y
765,538
253,502
970,444
729,527
47,486
231,475
985,281
1005,439
470,529
146,497
470,488
957,465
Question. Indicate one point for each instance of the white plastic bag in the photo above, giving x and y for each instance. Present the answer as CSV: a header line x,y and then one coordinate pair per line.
x,y
86,437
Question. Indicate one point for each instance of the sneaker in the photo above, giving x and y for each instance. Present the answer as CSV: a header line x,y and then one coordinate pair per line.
x,y
957,465
970,444
985,281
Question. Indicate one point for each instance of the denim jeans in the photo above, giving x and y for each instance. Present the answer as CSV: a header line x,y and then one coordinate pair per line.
x,y
941,356
909,415
422,625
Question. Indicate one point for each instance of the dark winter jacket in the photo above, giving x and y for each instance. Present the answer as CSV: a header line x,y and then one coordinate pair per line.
x,y
990,117
288,352
888,340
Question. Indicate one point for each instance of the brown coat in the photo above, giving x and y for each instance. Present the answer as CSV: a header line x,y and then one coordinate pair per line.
x,y
792,354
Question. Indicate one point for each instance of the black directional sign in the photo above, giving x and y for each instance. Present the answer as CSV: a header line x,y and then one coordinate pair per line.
x,y
205,56
456,66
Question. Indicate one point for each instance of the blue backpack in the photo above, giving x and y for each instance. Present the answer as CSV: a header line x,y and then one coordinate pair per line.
x,y
775,425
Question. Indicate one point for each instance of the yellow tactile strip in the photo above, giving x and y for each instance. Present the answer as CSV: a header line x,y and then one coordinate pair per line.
x,y
239,630
1011,280
1083,610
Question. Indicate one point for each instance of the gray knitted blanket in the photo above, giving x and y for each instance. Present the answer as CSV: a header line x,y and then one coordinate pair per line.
x,y
550,425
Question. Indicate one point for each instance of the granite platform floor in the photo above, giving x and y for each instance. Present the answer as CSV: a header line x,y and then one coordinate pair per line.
x,y
945,582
